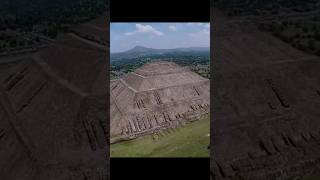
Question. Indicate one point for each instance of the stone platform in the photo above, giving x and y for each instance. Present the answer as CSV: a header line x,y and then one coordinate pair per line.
x,y
156,96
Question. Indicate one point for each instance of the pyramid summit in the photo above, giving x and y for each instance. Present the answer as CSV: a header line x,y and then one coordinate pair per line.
x,y
160,74
155,96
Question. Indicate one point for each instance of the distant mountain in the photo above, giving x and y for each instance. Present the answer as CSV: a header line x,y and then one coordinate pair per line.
x,y
140,51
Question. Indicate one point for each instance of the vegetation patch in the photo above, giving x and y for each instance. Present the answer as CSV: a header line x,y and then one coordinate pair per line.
x,y
191,140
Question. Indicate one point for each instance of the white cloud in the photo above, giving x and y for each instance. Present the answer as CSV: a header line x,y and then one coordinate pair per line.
x,y
148,29
207,25
194,24
140,28
129,33
202,32
172,28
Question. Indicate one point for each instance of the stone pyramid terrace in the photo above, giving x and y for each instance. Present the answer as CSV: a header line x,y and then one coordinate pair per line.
x,y
156,96
53,106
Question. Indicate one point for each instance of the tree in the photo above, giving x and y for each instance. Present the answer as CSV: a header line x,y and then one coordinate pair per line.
x,y
305,29
297,35
312,45
21,43
53,32
30,42
317,35
13,43
314,27
300,46
37,39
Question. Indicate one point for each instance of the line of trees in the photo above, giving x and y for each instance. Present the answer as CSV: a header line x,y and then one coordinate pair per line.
x,y
51,14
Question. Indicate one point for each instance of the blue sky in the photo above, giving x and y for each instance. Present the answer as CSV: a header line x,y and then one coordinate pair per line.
x,y
124,36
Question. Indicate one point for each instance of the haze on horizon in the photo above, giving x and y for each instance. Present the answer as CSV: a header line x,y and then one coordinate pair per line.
x,y
125,36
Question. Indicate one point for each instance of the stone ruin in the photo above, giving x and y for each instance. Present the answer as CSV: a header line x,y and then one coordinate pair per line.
x,y
53,111
265,105
155,96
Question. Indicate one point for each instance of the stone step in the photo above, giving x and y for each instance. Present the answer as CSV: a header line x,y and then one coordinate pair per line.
x,y
13,79
90,133
132,125
24,85
2,133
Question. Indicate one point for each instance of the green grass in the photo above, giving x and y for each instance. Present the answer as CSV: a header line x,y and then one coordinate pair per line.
x,y
191,140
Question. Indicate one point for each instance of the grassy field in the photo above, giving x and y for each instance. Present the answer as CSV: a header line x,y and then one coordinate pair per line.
x,y
191,140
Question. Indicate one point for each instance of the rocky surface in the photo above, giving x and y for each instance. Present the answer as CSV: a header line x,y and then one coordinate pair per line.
x,y
265,105
53,110
156,96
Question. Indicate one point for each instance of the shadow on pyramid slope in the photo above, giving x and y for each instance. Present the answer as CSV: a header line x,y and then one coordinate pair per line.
x,y
53,107
265,104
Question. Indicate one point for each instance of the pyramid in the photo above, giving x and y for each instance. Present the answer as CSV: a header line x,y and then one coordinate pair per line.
x,y
155,96
53,111
266,105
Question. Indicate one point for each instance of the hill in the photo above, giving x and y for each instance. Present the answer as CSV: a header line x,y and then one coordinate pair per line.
x,y
197,58
140,51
